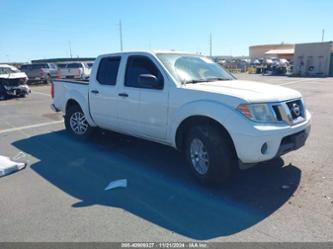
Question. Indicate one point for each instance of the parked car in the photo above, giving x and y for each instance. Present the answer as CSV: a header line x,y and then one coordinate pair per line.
x,y
12,82
190,103
40,72
75,70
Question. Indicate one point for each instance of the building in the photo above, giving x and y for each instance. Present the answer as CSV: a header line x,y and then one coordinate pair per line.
x,y
313,59
283,51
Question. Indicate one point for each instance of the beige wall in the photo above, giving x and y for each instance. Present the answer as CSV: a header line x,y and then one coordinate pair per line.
x,y
312,58
259,51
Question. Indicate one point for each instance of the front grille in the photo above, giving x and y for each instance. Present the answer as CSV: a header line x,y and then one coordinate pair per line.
x,y
296,108
10,82
291,112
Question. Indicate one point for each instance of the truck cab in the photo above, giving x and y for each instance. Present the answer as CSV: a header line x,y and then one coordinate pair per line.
x,y
190,103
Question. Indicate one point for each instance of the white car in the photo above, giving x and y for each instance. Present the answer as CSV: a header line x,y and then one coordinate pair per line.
x,y
190,103
13,82
75,70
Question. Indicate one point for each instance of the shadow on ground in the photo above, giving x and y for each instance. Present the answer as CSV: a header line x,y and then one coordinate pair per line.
x,y
160,187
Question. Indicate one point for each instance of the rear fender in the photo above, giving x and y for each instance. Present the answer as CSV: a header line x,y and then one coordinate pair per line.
x,y
83,103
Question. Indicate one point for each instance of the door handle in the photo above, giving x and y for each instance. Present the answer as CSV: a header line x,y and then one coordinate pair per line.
x,y
123,94
94,91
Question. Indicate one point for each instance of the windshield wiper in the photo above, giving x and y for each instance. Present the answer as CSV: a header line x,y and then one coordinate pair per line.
x,y
193,81
217,79
204,80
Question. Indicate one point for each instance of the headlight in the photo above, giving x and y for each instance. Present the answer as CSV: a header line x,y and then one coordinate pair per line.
x,y
257,112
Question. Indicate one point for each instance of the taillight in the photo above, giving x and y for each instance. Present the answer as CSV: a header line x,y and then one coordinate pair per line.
x,y
52,90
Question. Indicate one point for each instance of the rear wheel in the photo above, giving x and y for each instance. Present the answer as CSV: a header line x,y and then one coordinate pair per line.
x,y
76,123
210,155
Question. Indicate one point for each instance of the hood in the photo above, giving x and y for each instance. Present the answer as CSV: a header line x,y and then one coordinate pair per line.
x,y
250,91
18,75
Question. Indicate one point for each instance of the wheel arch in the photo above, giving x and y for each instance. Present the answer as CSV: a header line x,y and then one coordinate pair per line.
x,y
194,120
75,101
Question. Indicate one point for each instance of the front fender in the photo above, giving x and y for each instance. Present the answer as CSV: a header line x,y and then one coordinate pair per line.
x,y
231,119
221,113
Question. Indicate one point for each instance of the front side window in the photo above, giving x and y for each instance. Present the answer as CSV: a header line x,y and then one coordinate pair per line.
x,y
108,70
193,68
138,65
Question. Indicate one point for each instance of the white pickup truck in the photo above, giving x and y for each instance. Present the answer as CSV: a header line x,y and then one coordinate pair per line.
x,y
75,70
190,103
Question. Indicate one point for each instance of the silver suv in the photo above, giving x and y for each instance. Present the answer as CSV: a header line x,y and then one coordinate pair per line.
x,y
40,72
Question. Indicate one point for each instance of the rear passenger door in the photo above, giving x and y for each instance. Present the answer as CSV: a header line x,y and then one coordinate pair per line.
x,y
103,95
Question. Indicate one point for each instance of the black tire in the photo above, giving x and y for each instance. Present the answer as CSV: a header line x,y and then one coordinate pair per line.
x,y
220,154
3,93
83,135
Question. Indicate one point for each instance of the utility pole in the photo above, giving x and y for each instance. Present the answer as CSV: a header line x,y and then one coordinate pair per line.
x,y
121,35
210,45
323,35
70,49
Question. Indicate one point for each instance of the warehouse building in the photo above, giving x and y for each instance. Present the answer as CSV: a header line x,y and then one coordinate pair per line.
x,y
313,59
282,51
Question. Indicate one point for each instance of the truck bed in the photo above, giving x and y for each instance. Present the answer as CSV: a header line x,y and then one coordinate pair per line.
x,y
65,87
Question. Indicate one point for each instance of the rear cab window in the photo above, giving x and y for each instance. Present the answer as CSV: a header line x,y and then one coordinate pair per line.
x,y
62,65
74,65
108,70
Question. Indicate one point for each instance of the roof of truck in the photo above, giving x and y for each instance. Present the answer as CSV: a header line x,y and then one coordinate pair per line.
x,y
150,52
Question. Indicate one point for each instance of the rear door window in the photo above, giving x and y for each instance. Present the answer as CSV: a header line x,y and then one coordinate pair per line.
x,y
108,70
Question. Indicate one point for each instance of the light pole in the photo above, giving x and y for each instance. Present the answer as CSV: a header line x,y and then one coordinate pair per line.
x,y
121,35
210,45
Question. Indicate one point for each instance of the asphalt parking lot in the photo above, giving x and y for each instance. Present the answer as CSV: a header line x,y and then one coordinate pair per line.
x,y
60,195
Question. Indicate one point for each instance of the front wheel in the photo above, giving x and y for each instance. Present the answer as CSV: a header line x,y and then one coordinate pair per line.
x,y
76,123
210,154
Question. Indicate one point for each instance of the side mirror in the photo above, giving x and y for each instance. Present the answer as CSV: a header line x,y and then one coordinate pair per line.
x,y
149,81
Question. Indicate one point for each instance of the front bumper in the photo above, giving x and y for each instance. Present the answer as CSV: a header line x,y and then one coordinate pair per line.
x,y
17,90
279,140
293,142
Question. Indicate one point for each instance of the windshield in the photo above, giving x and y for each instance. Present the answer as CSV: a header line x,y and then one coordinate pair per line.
x,y
8,70
193,68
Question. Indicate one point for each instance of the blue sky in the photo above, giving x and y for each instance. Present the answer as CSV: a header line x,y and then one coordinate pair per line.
x,y
42,29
